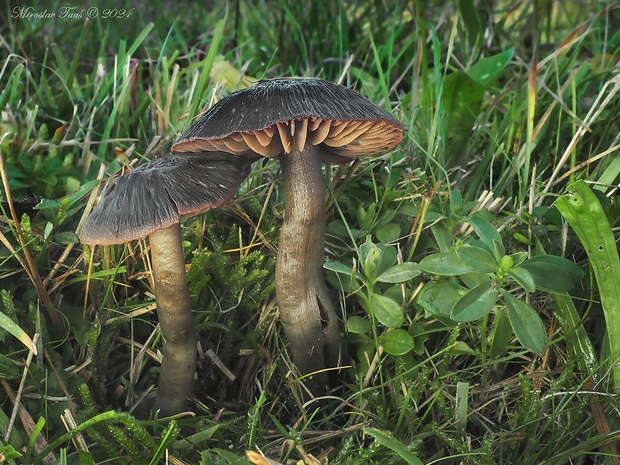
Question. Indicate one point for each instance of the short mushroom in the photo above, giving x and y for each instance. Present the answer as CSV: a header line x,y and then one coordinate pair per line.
x,y
150,201
302,122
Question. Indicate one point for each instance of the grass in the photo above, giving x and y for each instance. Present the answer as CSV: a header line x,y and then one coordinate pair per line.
x,y
473,322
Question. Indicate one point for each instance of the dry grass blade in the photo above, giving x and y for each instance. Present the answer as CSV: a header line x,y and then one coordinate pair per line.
x,y
602,425
17,400
28,423
78,439
605,96
258,459
30,267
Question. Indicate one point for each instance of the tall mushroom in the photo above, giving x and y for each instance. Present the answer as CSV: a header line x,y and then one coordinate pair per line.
x,y
303,122
150,201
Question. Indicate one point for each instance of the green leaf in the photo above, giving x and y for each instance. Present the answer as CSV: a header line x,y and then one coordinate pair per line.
x,y
48,230
523,278
506,263
8,452
565,264
522,239
488,235
387,311
549,277
462,101
502,333
8,369
477,259
461,348
444,264
397,342
442,236
370,259
586,215
487,68
472,22
518,258
66,237
389,257
231,457
400,273
388,233
365,218
200,437
477,303
526,324
386,439
438,298
471,280
358,325
340,268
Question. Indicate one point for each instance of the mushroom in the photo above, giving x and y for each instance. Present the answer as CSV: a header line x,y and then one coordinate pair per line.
x,y
302,122
150,201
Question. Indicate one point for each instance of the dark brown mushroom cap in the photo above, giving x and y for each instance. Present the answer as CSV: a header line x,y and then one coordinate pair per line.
x,y
267,118
155,195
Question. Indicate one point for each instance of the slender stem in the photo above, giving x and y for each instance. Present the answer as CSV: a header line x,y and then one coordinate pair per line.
x,y
309,318
175,318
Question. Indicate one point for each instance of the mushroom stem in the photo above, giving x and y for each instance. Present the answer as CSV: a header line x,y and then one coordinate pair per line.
x,y
309,318
175,319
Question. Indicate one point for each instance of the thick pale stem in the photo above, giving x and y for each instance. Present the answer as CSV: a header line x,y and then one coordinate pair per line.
x,y
175,318
309,318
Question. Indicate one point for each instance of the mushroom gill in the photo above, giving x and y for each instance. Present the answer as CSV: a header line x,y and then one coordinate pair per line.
x,y
344,139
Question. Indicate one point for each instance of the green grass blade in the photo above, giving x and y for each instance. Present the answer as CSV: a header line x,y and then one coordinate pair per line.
x,y
33,438
389,441
576,334
13,328
168,436
583,211
76,60
122,59
608,176
136,43
206,69
382,79
462,394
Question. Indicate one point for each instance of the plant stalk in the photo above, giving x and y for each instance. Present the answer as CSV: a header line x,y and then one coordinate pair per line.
x,y
310,322
175,319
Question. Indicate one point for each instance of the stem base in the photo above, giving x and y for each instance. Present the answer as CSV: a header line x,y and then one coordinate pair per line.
x,y
175,319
